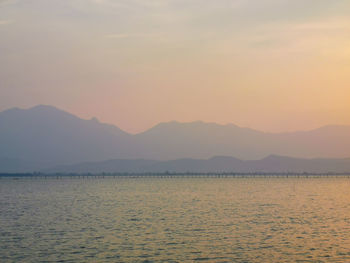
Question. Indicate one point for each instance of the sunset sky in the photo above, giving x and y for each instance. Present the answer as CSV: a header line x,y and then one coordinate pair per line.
x,y
272,65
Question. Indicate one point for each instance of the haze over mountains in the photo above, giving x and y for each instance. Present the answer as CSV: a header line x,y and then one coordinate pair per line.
x,y
44,136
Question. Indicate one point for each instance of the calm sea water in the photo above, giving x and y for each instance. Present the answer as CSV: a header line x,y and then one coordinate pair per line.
x,y
174,220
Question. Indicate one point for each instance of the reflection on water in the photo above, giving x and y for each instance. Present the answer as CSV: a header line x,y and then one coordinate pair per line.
x,y
174,220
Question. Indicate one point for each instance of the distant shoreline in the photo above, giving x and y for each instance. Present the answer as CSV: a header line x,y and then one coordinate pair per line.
x,y
178,175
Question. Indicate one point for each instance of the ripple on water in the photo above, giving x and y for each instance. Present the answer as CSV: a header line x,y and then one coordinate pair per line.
x,y
174,220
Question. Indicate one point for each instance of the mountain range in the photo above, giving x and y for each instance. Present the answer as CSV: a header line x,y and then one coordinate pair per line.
x,y
43,137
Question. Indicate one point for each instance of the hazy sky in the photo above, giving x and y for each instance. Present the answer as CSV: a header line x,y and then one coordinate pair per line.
x,y
273,65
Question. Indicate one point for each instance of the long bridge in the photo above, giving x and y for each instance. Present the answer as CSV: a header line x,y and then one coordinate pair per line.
x,y
179,175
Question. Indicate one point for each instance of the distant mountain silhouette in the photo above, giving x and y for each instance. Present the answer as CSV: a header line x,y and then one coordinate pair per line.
x,y
49,136
44,136
271,163
175,140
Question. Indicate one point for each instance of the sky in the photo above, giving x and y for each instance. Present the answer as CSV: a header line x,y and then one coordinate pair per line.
x,y
271,65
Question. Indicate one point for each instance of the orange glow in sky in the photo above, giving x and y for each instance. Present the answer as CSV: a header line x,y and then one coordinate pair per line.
x,y
267,64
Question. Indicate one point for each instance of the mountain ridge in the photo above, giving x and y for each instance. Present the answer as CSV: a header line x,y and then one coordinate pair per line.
x,y
51,108
45,136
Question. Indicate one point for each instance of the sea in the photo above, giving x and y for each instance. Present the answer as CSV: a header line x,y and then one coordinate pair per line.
x,y
174,219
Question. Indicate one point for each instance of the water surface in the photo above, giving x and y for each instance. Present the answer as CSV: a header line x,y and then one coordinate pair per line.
x,y
175,220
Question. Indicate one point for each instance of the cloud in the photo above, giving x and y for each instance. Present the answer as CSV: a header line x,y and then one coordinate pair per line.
x,y
6,22
126,36
7,2
121,36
